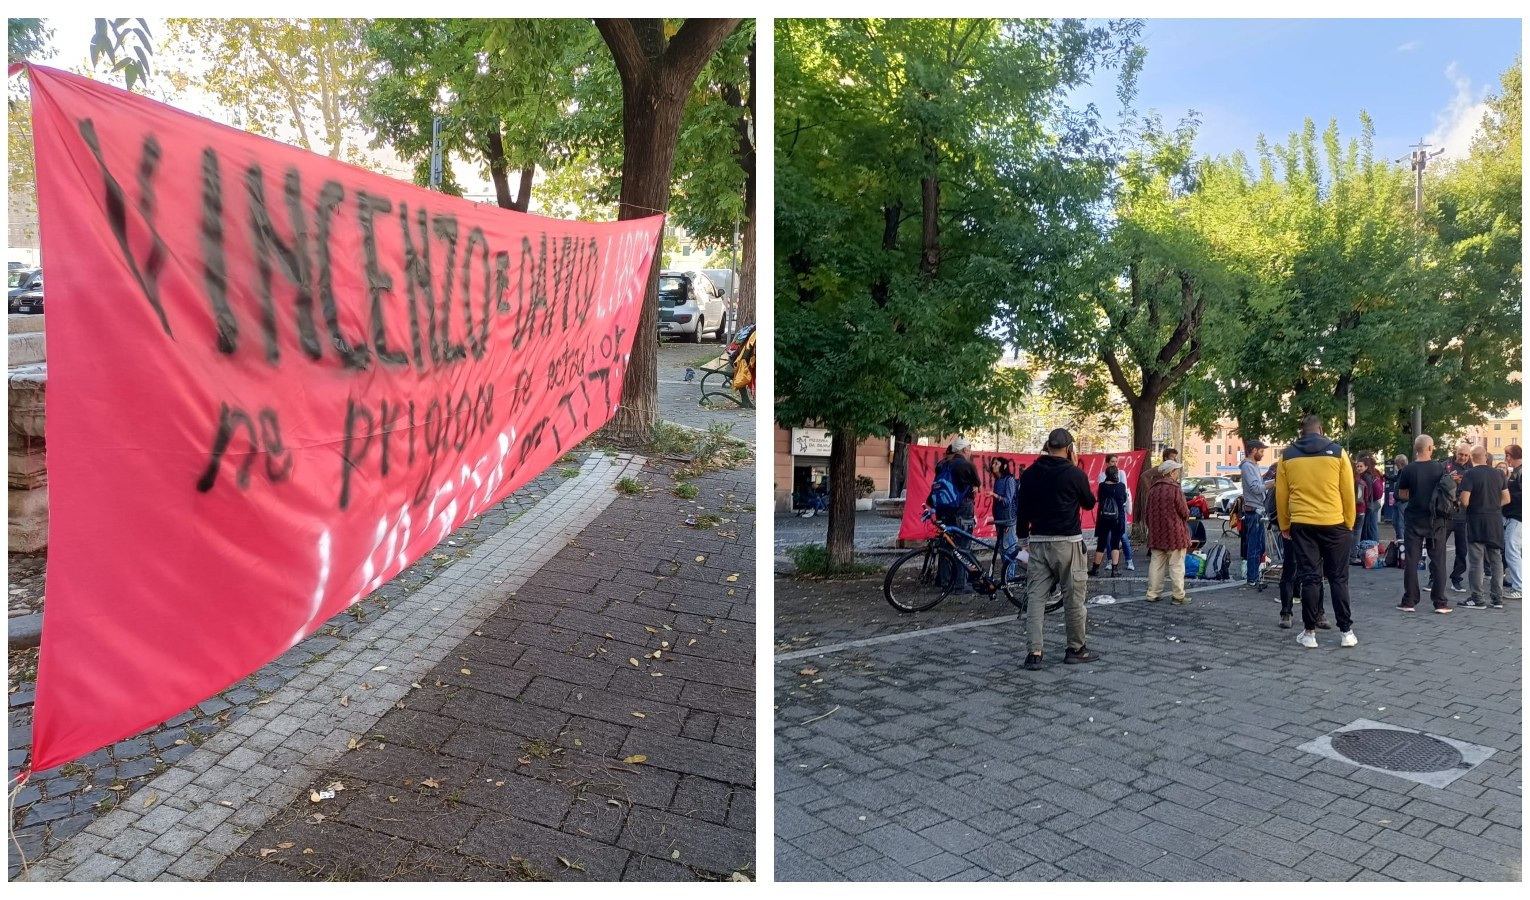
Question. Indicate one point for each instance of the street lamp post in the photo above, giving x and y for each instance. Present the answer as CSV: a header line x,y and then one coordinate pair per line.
x,y
1419,160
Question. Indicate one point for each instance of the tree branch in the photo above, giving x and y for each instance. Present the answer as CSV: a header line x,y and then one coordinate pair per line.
x,y
692,46
1118,376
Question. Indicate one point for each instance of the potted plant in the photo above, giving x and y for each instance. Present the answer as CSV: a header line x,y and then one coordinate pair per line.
x,y
864,488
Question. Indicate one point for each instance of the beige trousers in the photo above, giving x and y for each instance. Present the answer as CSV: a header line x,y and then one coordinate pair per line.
x,y
1172,562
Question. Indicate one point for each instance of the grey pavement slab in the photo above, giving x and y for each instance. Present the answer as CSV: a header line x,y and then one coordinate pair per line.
x,y
901,739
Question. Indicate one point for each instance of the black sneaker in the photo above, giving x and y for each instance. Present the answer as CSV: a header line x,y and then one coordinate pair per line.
x,y
1322,623
1285,620
1457,586
1473,604
1033,661
1496,604
1081,655
1405,607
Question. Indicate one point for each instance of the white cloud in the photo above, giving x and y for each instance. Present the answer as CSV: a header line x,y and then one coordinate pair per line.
x,y
1458,122
1410,46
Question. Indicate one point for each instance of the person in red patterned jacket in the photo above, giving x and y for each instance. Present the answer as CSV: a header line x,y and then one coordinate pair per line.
x,y
1168,534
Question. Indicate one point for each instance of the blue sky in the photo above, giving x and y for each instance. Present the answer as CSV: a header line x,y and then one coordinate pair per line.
x,y
1415,77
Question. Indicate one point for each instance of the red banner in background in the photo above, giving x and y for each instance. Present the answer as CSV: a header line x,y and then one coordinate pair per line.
x,y
921,472
275,380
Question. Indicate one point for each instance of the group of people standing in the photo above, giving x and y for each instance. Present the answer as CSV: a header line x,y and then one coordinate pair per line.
x,y
1323,504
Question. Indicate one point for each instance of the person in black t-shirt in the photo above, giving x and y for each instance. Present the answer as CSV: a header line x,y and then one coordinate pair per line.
x,y
1484,493
965,476
1421,530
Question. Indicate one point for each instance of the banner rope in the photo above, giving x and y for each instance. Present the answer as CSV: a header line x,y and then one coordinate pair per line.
x,y
10,812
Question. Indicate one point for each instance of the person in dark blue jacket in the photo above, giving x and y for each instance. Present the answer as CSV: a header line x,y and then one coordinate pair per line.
x,y
1003,493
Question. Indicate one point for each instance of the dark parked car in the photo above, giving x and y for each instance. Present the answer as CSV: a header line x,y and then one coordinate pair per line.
x,y
27,303
20,280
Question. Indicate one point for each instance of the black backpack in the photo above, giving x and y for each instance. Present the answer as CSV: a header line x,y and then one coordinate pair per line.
x,y
1445,502
1110,510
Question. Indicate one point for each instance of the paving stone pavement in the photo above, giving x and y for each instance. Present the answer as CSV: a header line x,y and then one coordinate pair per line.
x,y
58,804
207,804
679,400
937,757
598,726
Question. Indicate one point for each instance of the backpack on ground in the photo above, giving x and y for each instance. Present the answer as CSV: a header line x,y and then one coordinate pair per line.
x,y
1394,554
1445,502
1218,563
1358,557
944,497
1195,565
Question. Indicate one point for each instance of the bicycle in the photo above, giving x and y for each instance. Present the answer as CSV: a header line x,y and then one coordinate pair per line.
x,y
913,584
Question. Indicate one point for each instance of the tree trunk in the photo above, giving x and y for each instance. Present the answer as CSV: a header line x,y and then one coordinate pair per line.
x,y
657,75
499,172
523,199
841,539
1144,415
744,290
902,438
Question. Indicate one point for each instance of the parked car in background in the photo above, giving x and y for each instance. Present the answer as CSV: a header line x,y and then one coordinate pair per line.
x,y
690,305
27,303
723,278
1218,490
21,281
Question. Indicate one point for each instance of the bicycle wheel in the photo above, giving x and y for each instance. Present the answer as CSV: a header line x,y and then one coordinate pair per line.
x,y
911,584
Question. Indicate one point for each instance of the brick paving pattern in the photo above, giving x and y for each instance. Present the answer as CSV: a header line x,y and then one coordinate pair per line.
x,y
598,726
57,804
1175,758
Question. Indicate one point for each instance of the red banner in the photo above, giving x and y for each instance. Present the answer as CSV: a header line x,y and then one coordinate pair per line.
x,y
921,471
275,380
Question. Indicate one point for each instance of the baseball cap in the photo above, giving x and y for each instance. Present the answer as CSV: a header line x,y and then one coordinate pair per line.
x,y
960,444
1169,466
1059,438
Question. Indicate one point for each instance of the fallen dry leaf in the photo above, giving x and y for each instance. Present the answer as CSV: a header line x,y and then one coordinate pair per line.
x,y
635,663
639,715
150,801
808,671
675,855
117,787
636,758
525,761
691,643
467,671
335,786
664,644
316,818
572,865
308,851
267,851
733,577
285,845
701,559
430,783
345,700
392,799
352,744
650,629
366,685
379,668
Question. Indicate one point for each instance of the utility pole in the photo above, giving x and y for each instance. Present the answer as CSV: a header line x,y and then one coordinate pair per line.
x,y
435,154
1419,159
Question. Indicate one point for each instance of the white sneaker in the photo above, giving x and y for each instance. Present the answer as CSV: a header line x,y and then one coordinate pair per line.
x,y
1512,595
1307,639
1348,639
1130,567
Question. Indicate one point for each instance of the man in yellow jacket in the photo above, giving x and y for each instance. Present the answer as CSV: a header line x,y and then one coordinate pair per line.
x,y
1315,503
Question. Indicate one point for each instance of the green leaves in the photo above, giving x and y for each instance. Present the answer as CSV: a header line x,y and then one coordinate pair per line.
x,y
110,40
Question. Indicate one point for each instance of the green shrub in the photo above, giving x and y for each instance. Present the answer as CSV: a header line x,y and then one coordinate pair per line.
x,y
813,560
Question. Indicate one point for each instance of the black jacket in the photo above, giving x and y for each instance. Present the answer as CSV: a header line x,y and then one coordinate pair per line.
x,y
1052,491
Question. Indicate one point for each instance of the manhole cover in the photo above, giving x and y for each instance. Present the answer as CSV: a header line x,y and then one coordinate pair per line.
x,y
1397,751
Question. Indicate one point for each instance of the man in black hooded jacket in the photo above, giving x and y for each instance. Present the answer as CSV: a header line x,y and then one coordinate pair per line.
x,y
1052,492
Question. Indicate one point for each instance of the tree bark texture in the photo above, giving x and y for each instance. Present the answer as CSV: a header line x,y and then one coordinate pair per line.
x,y
841,539
746,159
657,75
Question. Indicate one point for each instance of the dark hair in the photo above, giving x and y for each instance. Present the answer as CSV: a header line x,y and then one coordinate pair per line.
x,y
1109,458
1513,451
1003,465
1311,422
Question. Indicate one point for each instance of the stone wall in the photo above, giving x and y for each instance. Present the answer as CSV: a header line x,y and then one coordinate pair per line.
x,y
27,466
